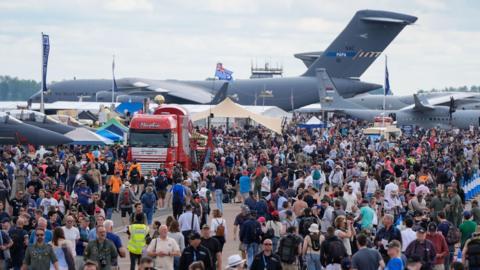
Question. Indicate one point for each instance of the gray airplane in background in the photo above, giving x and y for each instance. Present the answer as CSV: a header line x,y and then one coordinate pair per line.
x,y
418,114
365,37
14,131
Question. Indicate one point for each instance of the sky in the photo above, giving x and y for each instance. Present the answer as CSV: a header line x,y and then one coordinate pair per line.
x,y
185,39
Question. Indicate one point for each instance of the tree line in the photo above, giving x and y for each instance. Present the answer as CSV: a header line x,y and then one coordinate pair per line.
x,y
15,89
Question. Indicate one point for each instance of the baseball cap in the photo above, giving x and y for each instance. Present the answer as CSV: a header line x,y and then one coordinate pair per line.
x,y
467,214
194,236
206,226
394,244
421,230
432,227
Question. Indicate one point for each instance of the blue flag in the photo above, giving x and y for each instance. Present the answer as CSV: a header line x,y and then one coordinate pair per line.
x,y
387,82
45,52
222,73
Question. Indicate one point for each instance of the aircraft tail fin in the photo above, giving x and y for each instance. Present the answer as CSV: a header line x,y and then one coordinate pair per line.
x,y
328,95
419,106
360,43
221,94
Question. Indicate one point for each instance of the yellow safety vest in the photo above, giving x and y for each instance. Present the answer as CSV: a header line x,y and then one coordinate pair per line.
x,y
138,233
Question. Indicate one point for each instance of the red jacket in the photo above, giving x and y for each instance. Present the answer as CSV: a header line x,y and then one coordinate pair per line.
x,y
440,244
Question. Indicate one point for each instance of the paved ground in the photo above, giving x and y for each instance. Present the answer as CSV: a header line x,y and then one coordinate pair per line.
x,y
230,247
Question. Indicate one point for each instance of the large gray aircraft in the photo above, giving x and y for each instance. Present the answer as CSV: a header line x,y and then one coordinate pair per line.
x,y
417,114
14,131
365,37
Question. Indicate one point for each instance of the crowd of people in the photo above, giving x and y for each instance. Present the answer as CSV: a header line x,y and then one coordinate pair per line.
x,y
307,199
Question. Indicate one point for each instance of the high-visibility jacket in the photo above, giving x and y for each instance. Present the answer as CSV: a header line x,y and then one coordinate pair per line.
x,y
138,233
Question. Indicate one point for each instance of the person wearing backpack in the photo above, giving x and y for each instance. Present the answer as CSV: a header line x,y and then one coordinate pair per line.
x,y
134,175
289,248
149,201
250,236
471,251
126,200
178,199
274,228
311,248
450,233
218,227
332,251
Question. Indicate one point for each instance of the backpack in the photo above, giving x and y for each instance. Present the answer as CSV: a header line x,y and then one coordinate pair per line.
x,y
253,232
270,233
103,168
453,234
125,198
134,172
178,194
315,239
473,253
220,231
307,221
316,175
336,250
288,248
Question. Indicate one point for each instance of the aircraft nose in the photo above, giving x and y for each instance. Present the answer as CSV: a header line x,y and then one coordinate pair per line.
x,y
38,136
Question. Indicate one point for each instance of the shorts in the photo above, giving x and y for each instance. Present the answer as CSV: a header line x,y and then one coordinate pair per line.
x,y
245,195
125,211
161,194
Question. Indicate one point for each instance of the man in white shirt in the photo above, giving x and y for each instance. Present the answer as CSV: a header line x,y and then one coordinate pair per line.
x,y
408,235
265,186
350,198
47,202
163,249
336,177
186,220
389,188
71,232
371,185
354,184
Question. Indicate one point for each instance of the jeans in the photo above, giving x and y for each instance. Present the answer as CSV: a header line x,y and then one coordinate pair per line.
x,y
313,261
149,213
134,260
275,241
176,262
109,212
334,266
252,250
219,199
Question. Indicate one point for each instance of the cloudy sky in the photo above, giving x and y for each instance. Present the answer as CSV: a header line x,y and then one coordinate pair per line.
x,y
185,39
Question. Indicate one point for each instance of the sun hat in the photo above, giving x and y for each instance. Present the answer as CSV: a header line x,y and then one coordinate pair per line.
x,y
234,261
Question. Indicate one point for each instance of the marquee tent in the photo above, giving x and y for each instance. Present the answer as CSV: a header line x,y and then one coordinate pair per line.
x,y
228,108
83,136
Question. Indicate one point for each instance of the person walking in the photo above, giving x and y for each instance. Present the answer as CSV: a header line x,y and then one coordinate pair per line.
x,y
366,258
163,249
195,252
39,256
423,248
189,223
219,185
149,201
62,249
441,247
311,248
266,260
102,251
137,240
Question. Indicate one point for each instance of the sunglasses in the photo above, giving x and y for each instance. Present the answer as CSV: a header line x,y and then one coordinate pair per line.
x,y
267,244
40,235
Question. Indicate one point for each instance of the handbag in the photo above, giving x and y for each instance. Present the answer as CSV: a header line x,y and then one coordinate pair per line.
x,y
68,257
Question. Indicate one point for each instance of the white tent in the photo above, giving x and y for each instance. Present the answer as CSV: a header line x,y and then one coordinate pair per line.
x,y
228,108
83,136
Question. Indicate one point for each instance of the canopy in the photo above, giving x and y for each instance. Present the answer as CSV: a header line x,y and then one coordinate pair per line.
x,y
227,108
131,107
114,126
83,136
109,135
313,122
87,115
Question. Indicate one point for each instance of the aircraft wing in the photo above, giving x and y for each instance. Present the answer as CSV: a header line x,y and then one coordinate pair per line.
x,y
195,94
445,99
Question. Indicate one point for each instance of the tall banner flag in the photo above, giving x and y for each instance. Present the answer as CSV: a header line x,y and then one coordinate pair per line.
x,y
222,73
114,83
45,52
387,82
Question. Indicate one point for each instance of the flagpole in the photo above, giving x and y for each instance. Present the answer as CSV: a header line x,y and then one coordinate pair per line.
x,y
384,93
42,105
113,81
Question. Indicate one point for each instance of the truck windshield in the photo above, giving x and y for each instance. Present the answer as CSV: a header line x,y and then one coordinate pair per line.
x,y
156,138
